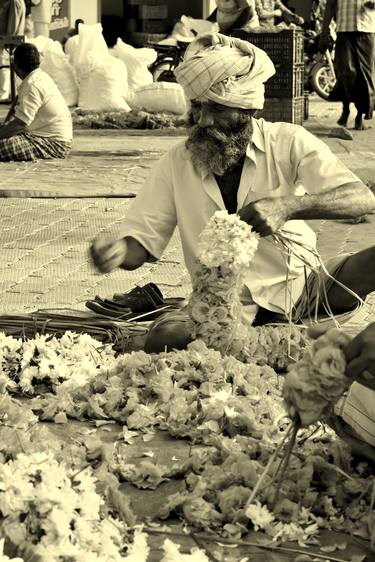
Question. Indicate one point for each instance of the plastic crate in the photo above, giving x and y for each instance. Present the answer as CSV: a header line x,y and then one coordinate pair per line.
x,y
147,11
285,47
290,110
288,82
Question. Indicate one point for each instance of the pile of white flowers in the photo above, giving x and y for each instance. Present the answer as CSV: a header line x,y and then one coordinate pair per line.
x,y
71,360
227,246
316,382
46,508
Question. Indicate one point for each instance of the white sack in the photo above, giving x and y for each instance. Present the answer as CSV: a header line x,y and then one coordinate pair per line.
x,y
161,97
137,62
103,87
57,65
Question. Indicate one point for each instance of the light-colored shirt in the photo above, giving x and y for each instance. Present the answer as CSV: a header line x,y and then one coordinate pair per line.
x,y
357,408
42,107
352,16
279,159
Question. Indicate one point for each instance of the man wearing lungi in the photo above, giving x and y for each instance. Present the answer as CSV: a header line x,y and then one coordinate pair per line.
x,y
38,124
233,161
354,56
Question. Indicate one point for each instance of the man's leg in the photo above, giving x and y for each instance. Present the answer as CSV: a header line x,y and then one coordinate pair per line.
x,y
364,87
17,148
358,274
346,75
343,120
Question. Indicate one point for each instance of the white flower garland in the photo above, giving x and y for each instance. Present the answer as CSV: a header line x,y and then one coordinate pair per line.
x,y
227,246
316,382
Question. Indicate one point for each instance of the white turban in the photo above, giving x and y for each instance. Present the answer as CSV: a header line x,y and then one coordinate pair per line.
x,y
225,70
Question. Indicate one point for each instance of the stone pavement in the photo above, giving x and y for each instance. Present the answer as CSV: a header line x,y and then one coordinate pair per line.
x,y
44,240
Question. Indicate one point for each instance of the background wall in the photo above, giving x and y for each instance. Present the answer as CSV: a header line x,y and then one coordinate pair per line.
x,y
88,10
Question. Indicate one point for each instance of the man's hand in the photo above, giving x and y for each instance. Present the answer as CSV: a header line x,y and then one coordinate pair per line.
x,y
266,216
108,253
360,357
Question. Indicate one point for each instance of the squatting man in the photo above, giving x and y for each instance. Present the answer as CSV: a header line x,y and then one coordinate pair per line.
x,y
232,160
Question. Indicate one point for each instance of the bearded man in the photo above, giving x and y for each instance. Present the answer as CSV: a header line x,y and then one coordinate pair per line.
x,y
233,161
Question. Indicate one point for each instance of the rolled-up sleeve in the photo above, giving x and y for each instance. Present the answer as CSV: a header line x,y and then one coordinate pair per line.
x,y
316,167
151,219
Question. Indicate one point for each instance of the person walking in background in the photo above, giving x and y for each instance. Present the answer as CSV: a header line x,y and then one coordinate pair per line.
x,y
354,56
41,11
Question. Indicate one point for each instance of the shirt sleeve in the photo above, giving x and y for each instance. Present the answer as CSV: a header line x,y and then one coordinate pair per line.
x,y
316,167
28,105
152,217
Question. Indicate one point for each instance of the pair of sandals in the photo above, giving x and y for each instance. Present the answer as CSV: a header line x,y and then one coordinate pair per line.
x,y
140,304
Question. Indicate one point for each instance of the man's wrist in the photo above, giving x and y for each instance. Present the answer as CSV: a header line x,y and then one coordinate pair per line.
x,y
296,206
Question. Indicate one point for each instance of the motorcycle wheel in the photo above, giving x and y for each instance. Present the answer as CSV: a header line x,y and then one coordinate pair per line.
x,y
322,80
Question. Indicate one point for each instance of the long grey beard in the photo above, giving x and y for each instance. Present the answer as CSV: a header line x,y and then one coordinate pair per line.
x,y
217,149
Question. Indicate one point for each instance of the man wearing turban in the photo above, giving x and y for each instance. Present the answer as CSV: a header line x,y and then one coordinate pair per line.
x,y
233,161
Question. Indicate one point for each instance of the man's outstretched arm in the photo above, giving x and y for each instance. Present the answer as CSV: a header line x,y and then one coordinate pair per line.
x,y
268,215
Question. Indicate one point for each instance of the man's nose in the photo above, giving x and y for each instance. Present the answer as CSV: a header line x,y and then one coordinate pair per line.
x,y
206,119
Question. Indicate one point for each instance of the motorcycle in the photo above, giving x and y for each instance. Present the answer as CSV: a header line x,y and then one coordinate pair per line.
x,y
168,57
320,74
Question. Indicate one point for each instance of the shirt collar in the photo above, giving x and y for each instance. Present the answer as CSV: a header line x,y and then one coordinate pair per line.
x,y
257,138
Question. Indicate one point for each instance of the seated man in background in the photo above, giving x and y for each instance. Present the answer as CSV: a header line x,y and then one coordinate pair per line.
x,y
248,166
39,123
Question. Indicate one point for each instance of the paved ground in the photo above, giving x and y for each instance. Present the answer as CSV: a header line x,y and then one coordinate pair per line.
x,y
44,239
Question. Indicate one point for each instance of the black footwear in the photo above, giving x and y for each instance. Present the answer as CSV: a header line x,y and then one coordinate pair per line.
x,y
140,299
126,305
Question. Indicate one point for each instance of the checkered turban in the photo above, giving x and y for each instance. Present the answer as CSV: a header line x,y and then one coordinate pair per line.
x,y
225,70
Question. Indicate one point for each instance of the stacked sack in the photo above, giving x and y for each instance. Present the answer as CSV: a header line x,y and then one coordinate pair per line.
x,y
55,63
102,78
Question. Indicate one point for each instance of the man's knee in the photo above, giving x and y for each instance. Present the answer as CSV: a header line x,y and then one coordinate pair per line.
x,y
172,331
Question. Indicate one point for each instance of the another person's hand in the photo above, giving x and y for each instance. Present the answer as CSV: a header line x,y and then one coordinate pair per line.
x,y
360,357
266,216
359,354
108,253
